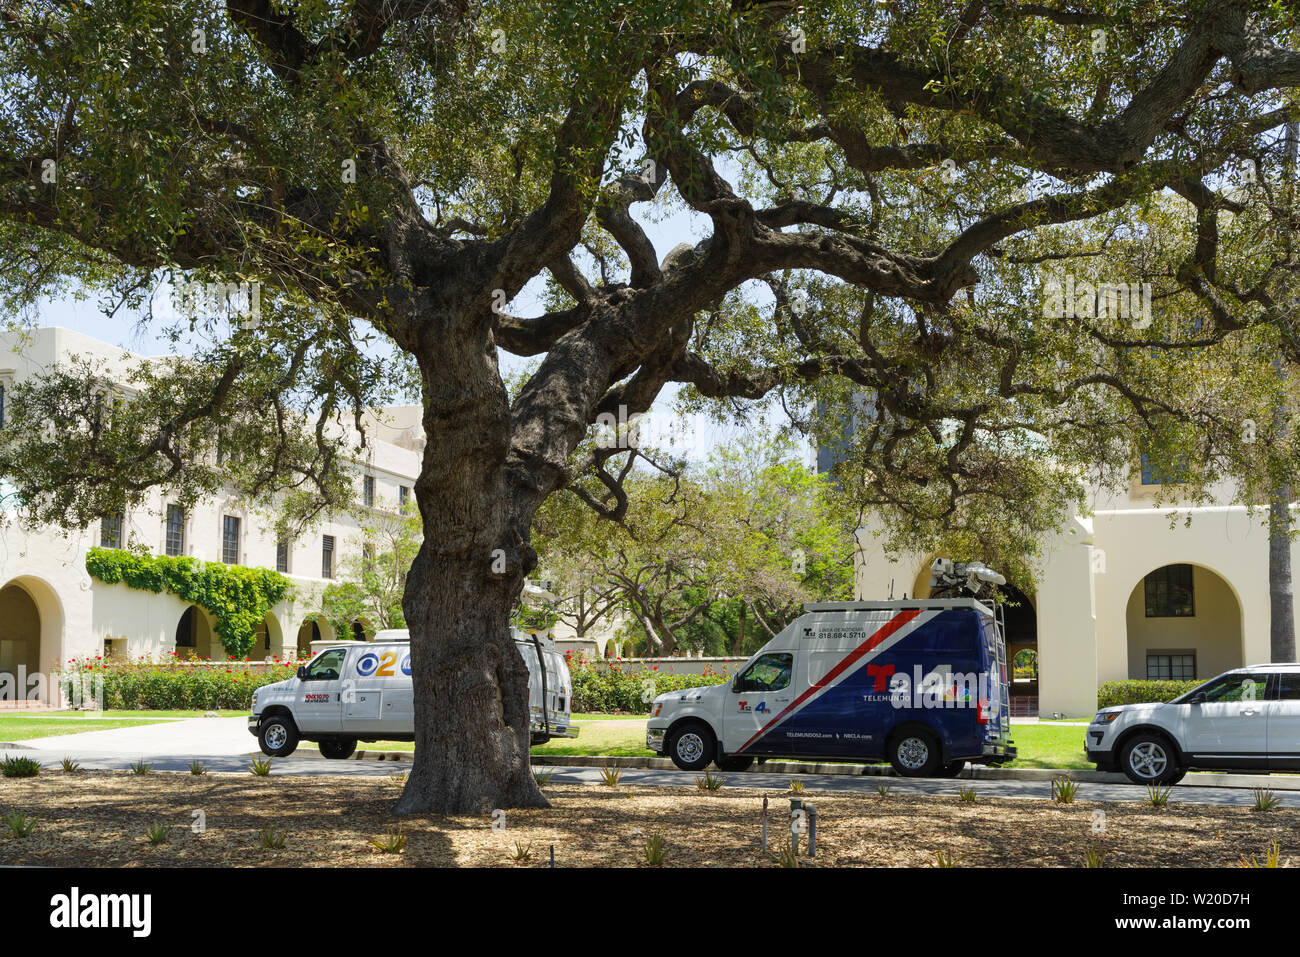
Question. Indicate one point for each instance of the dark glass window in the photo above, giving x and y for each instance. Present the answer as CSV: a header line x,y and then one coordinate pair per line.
x,y
230,540
403,494
368,490
1169,592
175,543
282,556
1171,667
1236,687
1288,685
110,531
769,673
327,557
327,667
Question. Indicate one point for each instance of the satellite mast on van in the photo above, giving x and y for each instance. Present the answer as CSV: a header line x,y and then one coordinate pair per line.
x,y
949,579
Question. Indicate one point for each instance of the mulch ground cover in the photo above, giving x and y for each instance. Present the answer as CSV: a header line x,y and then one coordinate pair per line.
x,y
94,819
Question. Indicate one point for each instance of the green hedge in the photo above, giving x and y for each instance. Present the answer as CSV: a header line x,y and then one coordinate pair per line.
x,y
170,688
609,690
1141,692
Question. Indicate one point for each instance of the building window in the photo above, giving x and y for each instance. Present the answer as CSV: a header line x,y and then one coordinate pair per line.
x,y
327,557
403,495
282,556
1169,592
1171,667
230,539
175,542
110,531
1150,475
368,491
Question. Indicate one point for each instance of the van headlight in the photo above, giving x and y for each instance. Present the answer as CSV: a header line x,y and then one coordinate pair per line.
x,y
1106,717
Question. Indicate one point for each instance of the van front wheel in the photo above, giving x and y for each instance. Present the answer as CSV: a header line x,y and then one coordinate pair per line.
x,y
277,736
691,747
915,753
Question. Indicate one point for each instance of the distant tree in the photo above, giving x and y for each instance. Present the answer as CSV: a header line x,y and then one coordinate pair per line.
x,y
374,573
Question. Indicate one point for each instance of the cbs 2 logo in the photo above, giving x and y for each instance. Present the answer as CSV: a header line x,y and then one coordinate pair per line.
x,y
382,665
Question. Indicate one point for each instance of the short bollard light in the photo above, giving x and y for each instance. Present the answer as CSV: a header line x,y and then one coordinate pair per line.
x,y
798,819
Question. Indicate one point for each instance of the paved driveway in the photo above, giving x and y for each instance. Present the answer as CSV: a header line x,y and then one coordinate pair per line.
x,y
187,736
224,745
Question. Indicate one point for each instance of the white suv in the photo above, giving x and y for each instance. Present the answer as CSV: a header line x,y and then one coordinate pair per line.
x,y
1247,719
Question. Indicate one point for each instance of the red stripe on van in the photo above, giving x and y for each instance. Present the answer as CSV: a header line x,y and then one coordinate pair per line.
x,y
889,628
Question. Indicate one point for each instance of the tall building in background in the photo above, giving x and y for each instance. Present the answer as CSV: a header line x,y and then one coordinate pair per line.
x,y
51,610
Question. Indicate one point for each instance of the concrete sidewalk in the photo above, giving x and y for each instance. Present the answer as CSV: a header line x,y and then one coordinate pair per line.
x,y
205,737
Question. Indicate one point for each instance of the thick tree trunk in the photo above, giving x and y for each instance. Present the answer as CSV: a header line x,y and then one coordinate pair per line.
x,y
472,725
1281,601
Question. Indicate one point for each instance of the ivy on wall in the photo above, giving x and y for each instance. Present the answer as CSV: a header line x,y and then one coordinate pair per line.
x,y
236,596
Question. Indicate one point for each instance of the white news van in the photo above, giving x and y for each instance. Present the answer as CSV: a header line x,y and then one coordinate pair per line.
x,y
361,691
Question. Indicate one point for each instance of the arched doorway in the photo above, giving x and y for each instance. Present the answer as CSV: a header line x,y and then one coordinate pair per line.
x,y
361,631
20,642
315,628
194,636
1020,619
1184,624
31,638
267,639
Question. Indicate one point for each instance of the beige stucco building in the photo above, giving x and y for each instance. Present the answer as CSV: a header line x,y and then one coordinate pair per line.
x,y
51,610
1131,590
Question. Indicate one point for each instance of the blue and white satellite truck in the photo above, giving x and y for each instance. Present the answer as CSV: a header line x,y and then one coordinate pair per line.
x,y
921,683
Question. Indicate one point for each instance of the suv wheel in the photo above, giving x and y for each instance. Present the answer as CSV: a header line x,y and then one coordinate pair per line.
x,y
916,753
278,736
691,746
1149,758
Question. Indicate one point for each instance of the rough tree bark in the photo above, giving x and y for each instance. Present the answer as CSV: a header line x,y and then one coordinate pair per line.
x,y
472,736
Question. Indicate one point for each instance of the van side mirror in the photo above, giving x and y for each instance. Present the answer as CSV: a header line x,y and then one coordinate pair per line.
x,y
1198,698
302,672
737,683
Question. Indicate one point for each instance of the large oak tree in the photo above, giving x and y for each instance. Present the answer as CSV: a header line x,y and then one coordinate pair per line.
x,y
870,182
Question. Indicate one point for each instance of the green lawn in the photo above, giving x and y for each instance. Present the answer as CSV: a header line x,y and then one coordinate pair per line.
x,y
22,728
136,714
1049,746
1039,746
609,717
